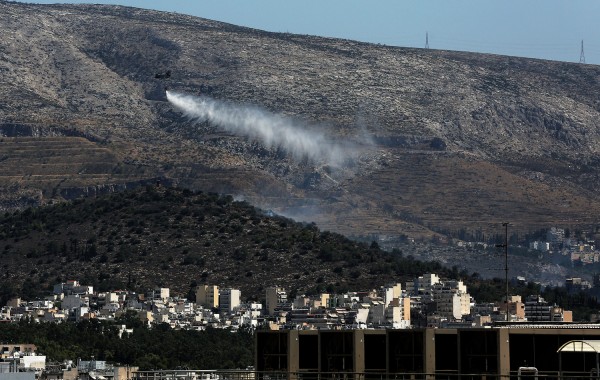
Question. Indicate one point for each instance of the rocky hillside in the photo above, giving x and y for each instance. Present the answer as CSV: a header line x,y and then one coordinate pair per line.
x,y
441,141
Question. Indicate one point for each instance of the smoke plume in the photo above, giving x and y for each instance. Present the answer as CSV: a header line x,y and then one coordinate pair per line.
x,y
270,130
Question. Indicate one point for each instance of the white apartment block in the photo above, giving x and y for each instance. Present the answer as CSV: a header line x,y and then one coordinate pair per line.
x,y
229,300
387,295
161,294
390,315
423,284
32,362
452,299
396,317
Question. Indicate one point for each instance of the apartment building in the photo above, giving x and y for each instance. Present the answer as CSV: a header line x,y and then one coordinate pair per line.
x,y
422,285
451,299
229,300
516,308
276,298
207,296
539,310
161,294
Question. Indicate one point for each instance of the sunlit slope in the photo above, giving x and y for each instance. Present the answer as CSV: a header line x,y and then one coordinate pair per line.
x,y
61,167
444,140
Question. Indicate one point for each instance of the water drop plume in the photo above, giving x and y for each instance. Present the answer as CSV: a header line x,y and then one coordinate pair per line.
x,y
271,130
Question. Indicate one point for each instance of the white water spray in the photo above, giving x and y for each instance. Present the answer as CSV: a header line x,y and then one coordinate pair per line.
x,y
271,130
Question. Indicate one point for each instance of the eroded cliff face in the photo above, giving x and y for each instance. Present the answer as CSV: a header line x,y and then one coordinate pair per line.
x,y
440,140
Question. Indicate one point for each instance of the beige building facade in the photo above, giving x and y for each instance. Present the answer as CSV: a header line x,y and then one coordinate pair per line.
x,y
207,296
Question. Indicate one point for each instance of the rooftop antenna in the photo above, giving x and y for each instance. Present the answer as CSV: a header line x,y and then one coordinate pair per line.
x,y
427,41
582,54
505,246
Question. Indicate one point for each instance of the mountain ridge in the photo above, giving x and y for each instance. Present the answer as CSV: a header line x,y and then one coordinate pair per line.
x,y
456,140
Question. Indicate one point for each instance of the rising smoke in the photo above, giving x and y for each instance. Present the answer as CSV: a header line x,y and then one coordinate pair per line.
x,y
270,130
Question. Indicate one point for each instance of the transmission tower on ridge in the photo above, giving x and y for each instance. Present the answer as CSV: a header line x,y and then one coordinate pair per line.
x,y
582,54
427,40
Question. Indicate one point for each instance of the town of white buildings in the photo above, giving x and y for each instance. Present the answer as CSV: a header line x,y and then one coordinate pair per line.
x,y
426,301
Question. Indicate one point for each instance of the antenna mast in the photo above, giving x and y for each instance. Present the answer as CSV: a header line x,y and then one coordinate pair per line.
x,y
505,246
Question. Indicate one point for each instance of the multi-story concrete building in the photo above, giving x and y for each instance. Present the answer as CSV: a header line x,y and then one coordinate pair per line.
x,y
451,299
487,308
422,285
516,308
447,352
404,304
386,294
276,297
448,305
229,300
72,287
301,301
537,309
377,315
325,300
161,294
207,296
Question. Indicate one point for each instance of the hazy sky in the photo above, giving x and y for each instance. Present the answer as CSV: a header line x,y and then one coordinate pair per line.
x,y
547,29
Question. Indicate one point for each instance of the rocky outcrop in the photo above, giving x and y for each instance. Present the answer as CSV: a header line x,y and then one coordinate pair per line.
x,y
94,191
40,131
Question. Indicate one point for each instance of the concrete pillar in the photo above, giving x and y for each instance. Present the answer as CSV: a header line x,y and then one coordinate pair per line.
x,y
293,363
319,348
359,351
504,352
429,354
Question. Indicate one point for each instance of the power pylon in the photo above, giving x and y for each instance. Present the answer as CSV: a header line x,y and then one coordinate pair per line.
x,y
582,54
427,40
